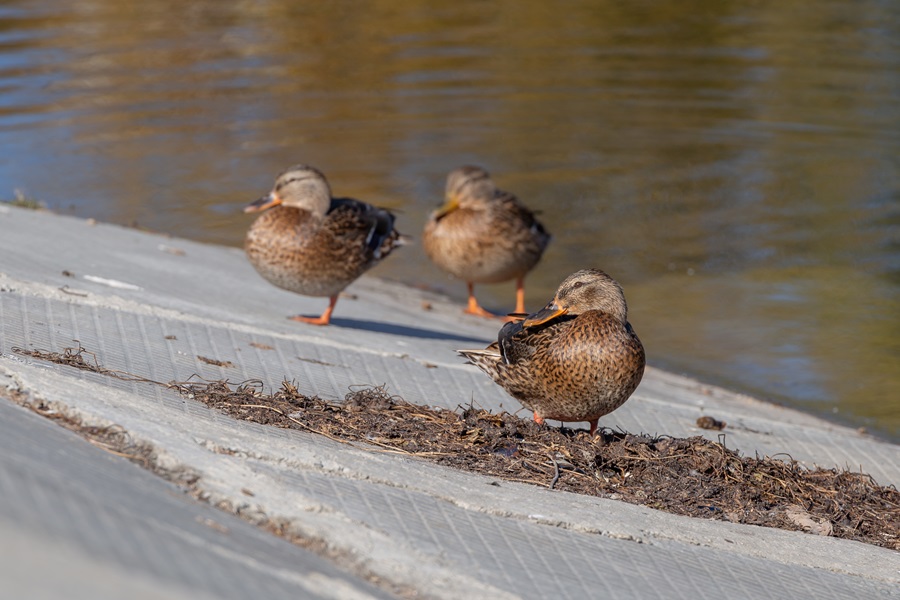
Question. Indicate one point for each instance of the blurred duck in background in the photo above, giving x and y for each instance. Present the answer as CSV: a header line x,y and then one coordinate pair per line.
x,y
483,235
312,244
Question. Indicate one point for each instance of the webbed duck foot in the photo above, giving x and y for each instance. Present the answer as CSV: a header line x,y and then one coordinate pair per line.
x,y
323,319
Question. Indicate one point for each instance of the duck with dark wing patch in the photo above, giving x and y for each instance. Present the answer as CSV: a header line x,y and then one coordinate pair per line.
x,y
576,359
312,244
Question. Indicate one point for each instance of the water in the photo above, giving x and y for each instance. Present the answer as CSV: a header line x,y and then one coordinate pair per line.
x,y
734,165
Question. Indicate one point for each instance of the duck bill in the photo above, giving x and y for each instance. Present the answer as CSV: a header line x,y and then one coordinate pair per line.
x,y
548,313
267,201
448,207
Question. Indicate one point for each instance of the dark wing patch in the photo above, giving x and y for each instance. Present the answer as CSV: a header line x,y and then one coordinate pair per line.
x,y
505,340
378,221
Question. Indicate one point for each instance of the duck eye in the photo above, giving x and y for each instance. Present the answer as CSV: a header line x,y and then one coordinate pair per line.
x,y
577,284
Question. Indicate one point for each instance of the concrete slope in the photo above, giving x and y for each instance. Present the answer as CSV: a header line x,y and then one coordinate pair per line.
x,y
151,306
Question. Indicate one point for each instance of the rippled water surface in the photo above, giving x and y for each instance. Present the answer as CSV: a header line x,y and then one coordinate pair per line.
x,y
733,164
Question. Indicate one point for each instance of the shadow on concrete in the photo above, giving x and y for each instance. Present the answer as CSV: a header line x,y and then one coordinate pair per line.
x,y
406,330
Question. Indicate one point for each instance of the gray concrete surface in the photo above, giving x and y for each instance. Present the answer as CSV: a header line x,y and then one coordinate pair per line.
x,y
79,522
124,294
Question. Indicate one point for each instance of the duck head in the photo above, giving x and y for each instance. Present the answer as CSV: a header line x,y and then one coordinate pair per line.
x,y
582,291
467,187
300,187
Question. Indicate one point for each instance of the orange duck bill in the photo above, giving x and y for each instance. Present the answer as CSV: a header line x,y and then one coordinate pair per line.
x,y
548,313
267,201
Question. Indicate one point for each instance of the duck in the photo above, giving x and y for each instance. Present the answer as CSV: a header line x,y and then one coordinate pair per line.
x,y
310,243
577,359
482,234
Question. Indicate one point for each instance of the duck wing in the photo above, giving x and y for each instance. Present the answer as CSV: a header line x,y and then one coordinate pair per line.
x,y
519,344
354,218
523,217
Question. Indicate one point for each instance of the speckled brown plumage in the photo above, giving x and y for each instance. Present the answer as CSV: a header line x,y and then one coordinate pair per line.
x,y
312,244
483,235
576,359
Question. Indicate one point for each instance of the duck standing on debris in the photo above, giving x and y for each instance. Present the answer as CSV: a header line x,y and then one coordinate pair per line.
x,y
576,359
312,244
483,235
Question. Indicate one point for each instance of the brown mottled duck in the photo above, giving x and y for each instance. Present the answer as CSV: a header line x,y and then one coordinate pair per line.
x,y
312,244
576,359
483,235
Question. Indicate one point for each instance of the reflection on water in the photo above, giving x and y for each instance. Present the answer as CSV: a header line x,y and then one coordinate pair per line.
x,y
734,165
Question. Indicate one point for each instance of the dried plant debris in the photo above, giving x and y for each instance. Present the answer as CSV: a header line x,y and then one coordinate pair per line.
x,y
693,476
113,439
225,364
74,357
707,422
